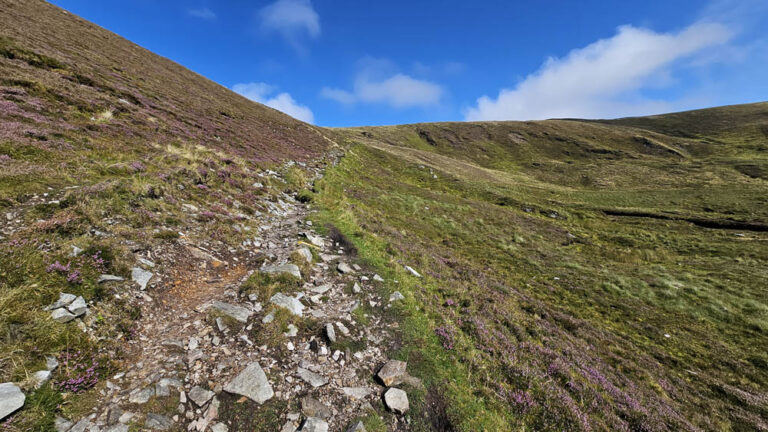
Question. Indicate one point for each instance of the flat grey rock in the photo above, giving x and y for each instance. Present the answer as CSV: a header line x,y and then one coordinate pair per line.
x,y
396,296
219,427
356,392
141,396
62,315
200,396
344,268
78,307
141,277
109,278
82,425
305,253
11,399
64,300
290,269
119,427
396,400
315,240
312,378
51,363
61,424
378,278
252,383
159,422
393,372
356,427
237,313
314,424
312,407
291,303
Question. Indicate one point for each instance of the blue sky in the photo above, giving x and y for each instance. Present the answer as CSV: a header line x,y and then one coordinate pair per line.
x,y
349,63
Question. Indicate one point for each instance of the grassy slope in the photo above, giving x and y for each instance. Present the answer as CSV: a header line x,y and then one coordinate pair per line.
x,y
558,313
98,135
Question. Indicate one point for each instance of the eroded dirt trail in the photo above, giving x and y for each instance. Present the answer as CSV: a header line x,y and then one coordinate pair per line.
x,y
198,334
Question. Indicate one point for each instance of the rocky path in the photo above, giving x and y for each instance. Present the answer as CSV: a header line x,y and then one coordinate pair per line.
x,y
197,363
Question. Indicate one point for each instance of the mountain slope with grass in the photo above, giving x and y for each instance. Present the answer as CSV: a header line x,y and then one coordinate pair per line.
x,y
176,257
578,275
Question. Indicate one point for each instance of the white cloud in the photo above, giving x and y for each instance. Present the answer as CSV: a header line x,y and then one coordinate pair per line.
x,y
292,19
203,13
261,93
377,83
601,79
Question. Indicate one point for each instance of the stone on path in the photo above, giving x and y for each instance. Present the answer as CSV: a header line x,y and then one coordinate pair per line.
x,y
344,268
315,240
356,427
61,424
200,396
330,332
393,372
356,392
314,424
251,382
159,422
314,379
396,400
219,427
291,303
378,278
141,277
305,253
11,399
237,313
141,396
291,269
118,428
312,407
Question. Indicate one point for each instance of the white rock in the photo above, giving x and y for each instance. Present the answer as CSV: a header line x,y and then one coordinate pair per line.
x,y
314,424
313,379
356,392
396,400
141,277
11,399
291,269
238,313
251,382
396,296
344,268
291,303
39,378
412,271
62,315
78,307
64,300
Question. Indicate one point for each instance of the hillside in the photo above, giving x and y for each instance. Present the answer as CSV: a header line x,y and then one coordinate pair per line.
x,y
176,257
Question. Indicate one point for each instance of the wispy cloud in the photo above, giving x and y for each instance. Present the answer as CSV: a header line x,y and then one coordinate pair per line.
x,y
595,81
202,13
377,82
267,94
293,19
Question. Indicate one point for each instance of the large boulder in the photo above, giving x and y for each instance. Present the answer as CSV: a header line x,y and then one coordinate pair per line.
x,y
393,372
290,269
396,400
237,313
287,302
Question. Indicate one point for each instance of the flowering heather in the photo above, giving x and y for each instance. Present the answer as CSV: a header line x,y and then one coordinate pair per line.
x,y
58,267
5,158
202,187
74,277
78,373
523,401
98,261
138,166
445,334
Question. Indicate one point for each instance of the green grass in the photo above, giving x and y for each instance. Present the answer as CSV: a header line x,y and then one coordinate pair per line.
x,y
557,311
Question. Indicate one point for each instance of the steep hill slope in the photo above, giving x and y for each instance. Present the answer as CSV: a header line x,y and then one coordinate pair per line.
x,y
68,85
